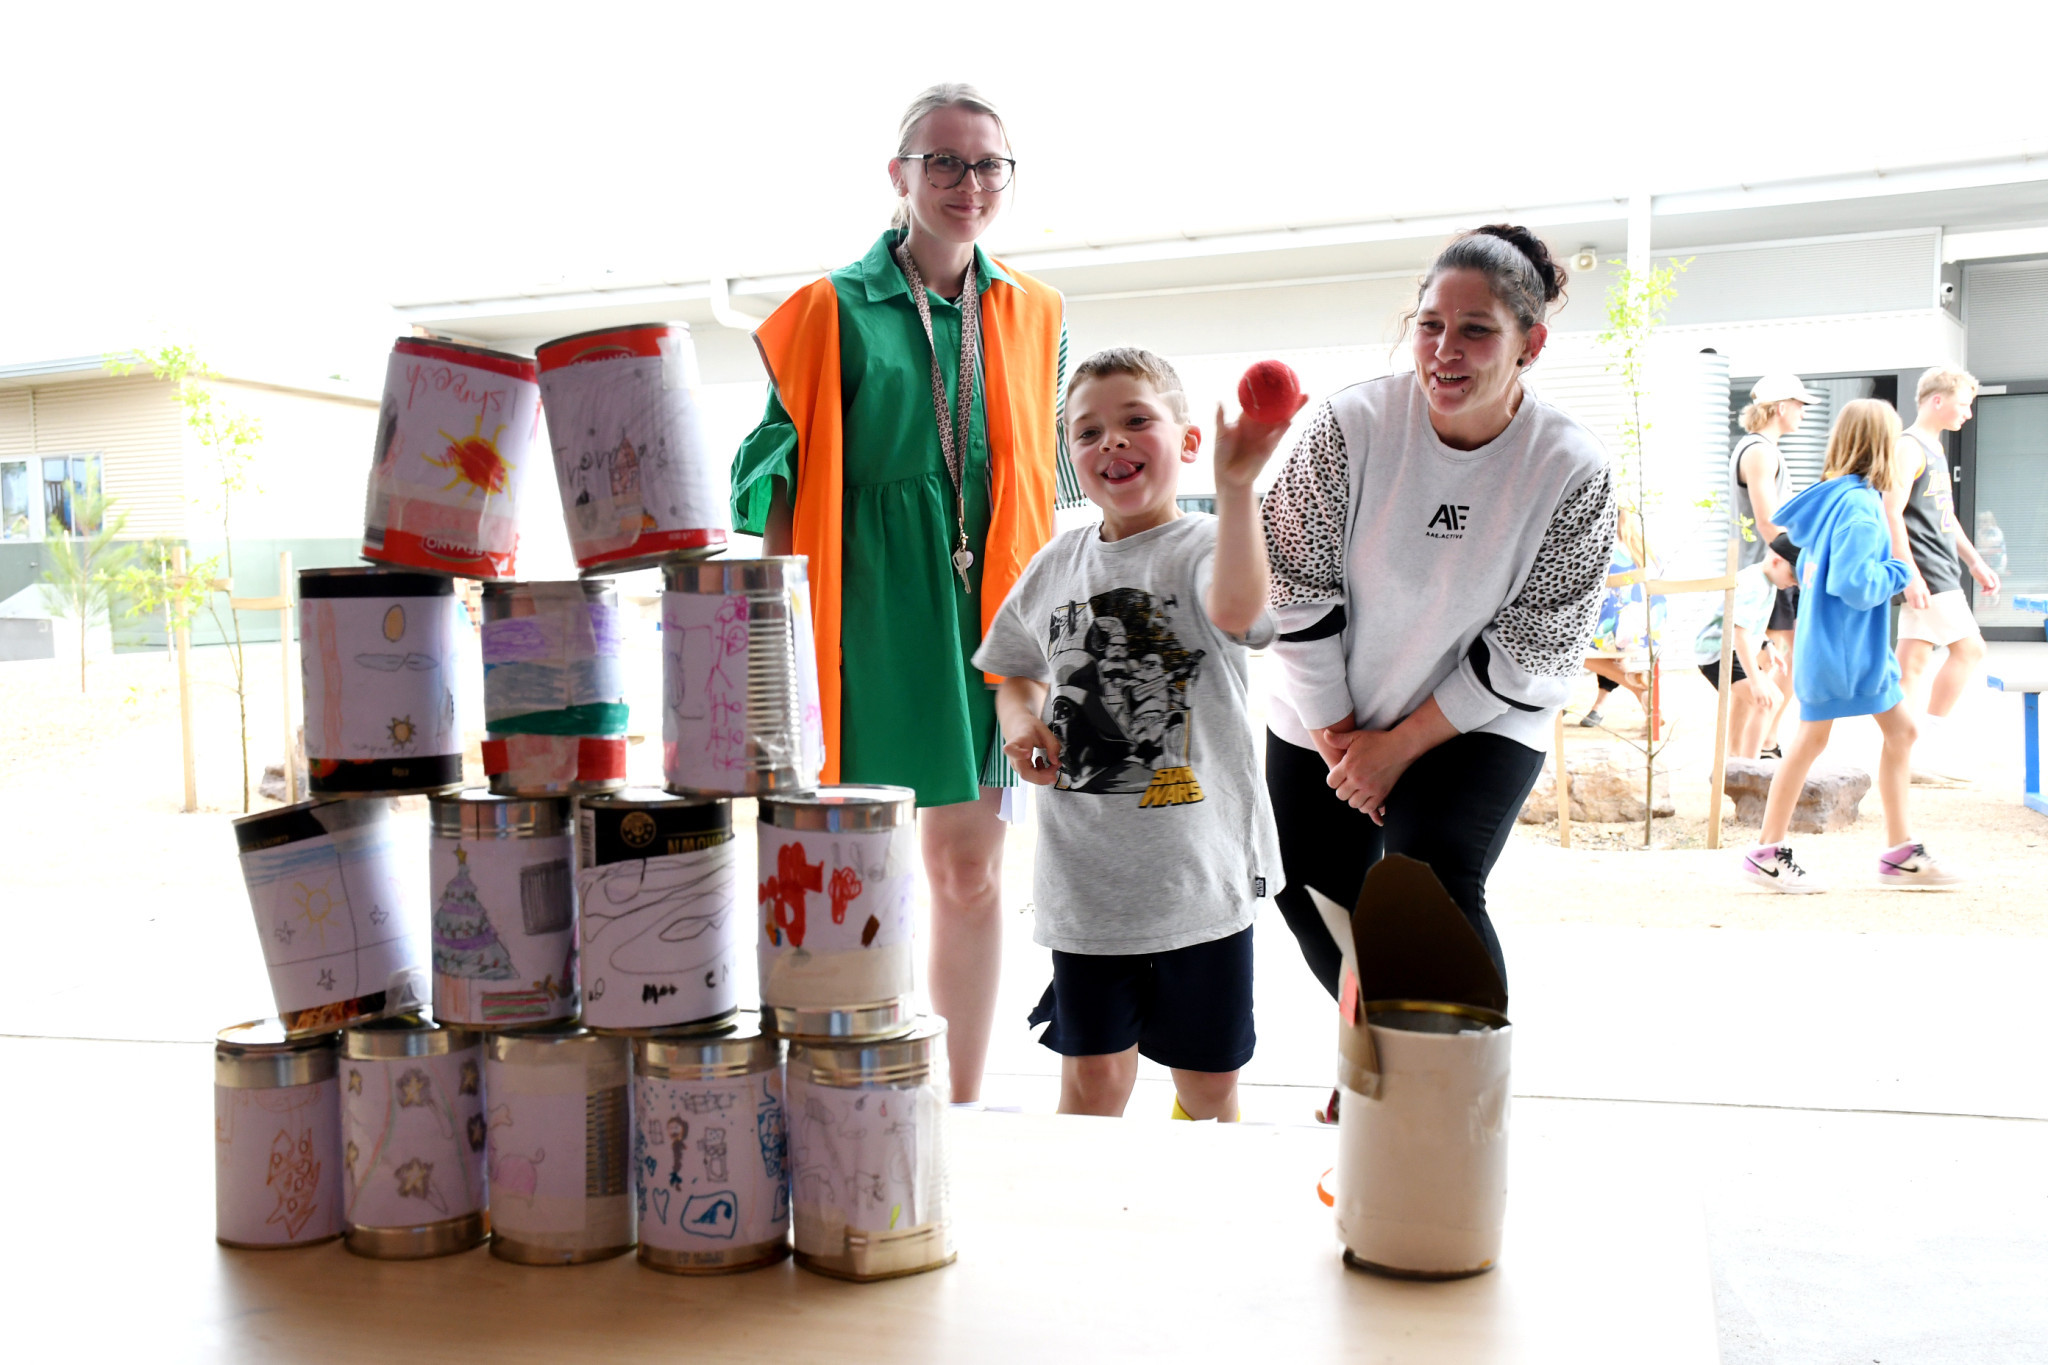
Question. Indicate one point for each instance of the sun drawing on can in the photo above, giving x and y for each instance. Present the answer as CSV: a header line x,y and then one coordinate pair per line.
x,y
474,460
402,731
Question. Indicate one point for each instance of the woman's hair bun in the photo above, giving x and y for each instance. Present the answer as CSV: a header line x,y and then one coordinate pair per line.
x,y
1532,246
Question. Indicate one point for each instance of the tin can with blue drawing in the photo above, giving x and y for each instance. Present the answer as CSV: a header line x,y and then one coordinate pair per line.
x,y
378,650
835,932
869,1192
710,1151
504,918
554,688
657,905
560,1111
276,1137
342,926
412,1139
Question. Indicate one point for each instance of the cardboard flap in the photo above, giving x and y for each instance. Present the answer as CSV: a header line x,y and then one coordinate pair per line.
x,y
1411,942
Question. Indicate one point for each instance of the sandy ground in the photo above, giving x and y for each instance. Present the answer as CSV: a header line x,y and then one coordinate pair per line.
x,y
109,761
1606,877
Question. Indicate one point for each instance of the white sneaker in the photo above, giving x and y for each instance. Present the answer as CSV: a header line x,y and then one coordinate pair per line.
x,y
1772,865
1910,867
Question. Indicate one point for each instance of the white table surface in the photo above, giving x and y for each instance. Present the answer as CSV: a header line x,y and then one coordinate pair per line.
x,y
1079,1239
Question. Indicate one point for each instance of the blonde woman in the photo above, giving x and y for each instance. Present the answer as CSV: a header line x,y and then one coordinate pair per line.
x,y
910,450
1759,481
1847,575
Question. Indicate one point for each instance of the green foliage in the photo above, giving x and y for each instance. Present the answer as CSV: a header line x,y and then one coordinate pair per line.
x,y
1635,305
81,574
230,438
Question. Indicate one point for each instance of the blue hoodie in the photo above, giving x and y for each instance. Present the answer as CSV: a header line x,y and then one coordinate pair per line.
x,y
1843,665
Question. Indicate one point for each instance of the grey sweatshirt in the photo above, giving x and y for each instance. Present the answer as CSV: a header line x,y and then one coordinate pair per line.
x,y
1404,569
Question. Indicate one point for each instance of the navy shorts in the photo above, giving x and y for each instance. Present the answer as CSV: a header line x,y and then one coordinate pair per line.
x,y
1190,1008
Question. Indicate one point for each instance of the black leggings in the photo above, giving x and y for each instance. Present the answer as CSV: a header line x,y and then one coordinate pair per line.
x,y
1452,809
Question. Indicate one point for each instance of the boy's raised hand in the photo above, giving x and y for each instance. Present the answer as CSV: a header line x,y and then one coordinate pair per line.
x,y
1243,447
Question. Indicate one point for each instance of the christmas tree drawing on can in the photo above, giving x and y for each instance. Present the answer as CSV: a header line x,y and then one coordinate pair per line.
x,y
465,944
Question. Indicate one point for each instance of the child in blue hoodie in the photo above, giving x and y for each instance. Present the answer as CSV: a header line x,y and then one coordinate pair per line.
x,y
1844,665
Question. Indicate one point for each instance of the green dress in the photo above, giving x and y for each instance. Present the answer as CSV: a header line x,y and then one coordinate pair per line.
x,y
914,710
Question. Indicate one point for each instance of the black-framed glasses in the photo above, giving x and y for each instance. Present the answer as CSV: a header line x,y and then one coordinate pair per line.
x,y
943,170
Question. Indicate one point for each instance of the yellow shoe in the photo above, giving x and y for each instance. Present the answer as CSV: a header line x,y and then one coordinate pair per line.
x,y
1180,1113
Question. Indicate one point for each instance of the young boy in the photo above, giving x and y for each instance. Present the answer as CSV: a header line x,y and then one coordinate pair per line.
x,y
1927,536
1122,653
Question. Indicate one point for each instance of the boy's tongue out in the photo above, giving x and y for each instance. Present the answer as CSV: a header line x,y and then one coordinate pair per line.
x,y
1119,470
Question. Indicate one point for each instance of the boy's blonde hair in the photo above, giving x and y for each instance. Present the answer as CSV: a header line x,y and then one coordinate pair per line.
x,y
946,95
1757,416
1944,379
1139,364
1865,441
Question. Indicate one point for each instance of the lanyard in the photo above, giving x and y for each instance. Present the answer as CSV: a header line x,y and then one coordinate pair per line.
x,y
952,435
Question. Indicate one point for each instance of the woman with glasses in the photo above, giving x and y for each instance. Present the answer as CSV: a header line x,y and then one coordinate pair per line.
x,y
911,449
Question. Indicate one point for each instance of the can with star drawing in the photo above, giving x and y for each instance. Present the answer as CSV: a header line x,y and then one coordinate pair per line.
x,y
276,1137
456,435
412,1139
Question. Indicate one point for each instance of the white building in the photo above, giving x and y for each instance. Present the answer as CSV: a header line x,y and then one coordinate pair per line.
x,y
1856,282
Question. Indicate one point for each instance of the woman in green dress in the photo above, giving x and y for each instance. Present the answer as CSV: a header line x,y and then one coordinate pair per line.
x,y
911,451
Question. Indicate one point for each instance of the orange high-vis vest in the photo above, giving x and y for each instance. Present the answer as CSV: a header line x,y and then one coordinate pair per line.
x,y
1020,330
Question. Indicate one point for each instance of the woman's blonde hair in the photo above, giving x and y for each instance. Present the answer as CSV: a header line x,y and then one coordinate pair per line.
x,y
1865,442
1757,416
946,95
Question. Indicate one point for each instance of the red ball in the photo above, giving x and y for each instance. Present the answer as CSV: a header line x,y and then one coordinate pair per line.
x,y
1268,392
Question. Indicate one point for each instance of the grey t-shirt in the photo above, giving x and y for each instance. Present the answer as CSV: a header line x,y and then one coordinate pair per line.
x,y
1157,834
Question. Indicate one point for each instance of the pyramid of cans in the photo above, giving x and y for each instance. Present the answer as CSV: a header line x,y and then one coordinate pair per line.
x,y
542,1048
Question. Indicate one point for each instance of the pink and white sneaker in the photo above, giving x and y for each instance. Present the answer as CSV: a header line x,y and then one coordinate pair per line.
x,y
1771,865
1910,867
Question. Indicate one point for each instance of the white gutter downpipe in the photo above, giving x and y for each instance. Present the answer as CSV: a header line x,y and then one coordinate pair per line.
x,y
722,309
1639,234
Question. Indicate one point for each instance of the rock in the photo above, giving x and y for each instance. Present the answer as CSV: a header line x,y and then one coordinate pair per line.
x,y
1606,787
272,785
1829,801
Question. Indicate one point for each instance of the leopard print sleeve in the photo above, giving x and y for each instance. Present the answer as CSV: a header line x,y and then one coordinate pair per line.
x,y
1306,513
1546,628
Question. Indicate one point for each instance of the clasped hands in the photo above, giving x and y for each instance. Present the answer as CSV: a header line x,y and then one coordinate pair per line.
x,y
1364,764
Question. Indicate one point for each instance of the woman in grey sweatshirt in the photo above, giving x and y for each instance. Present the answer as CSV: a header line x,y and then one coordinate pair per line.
x,y
1439,542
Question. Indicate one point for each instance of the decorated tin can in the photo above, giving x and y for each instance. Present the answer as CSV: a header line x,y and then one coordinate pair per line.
x,y
636,475
740,712
1422,1166
867,1141
341,926
412,1139
657,901
276,1137
710,1158
455,438
377,647
504,924
554,690
835,937
560,1110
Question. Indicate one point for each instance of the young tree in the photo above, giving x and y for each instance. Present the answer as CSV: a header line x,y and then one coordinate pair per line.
x,y
229,439
1635,305
80,572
